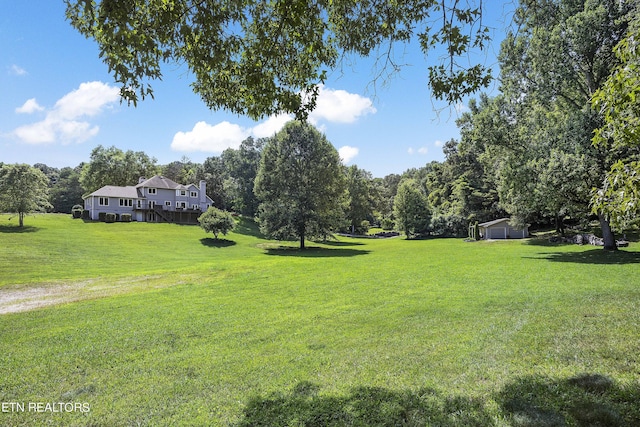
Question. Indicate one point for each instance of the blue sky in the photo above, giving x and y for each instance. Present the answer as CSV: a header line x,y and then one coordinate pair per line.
x,y
59,102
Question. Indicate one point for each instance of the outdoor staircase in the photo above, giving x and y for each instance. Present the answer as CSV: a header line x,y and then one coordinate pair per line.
x,y
167,216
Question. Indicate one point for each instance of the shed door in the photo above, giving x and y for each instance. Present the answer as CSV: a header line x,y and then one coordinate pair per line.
x,y
497,233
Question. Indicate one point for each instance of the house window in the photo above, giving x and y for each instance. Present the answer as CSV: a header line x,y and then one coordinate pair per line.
x,y
181,193
151,191
103,201
195,207
152,204
139,204
126,202
167,203
194,194
181,205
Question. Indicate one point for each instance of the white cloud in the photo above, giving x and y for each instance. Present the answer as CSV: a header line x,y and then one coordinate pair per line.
x,y
38,133
62,123
347,153
337,106
88,100
217,138
421,150
340,106
17,70
271,126
211,139
438,143
30,106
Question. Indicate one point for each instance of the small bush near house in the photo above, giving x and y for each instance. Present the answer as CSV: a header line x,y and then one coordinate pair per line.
x,y
85,214
125,217
216,221
102,216
76,211
110,217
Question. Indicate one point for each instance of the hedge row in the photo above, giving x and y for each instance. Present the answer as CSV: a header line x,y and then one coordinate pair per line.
x,y
79,212
113,217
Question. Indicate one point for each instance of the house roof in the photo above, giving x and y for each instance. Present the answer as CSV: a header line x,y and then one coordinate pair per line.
x,y
114,191
161,182
133,192
494,222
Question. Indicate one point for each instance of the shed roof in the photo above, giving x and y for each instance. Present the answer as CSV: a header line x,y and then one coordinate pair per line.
x,y
494,222
128,192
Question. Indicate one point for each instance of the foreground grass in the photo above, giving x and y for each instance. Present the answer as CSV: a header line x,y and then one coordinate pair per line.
x,y
353,332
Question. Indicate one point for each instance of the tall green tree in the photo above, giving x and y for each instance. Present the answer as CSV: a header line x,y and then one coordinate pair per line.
x,y
23,189
462,189
263,58
67,190
112,166
561,55
618,100
359,200
241,167
383,191
411,209
300,184
215,175
183,171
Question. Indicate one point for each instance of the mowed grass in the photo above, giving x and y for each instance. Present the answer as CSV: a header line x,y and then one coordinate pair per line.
x,y
359,332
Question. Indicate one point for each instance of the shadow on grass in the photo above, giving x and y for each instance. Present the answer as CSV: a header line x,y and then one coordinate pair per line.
x,y
534,241
16,229
247,227
313,252
363,406
334,243
532,401
585,400
216,243
593,256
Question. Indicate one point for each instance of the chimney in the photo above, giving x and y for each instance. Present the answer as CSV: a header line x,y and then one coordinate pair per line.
x,y
203,194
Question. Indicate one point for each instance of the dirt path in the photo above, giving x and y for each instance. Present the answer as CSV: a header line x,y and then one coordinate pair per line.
x,y
19,298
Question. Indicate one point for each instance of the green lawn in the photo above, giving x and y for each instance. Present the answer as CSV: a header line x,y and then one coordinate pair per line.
x,y
245,332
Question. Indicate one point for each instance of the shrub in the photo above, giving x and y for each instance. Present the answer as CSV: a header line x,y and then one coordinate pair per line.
x,y
387,224
216,221
450,225
125,217
110,217
76,211
85,214
102,216
364,227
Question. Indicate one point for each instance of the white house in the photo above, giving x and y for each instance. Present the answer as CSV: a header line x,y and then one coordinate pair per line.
x,y
156,199
501,229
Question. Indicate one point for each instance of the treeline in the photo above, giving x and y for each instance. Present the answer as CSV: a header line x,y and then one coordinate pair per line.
x,y
570,72
440,198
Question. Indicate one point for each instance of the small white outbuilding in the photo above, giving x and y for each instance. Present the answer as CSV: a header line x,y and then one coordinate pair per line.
x,y
501,229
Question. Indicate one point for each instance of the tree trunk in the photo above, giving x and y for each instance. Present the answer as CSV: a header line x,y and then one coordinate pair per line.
x,y
302,241
607,234
559,225
21,219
